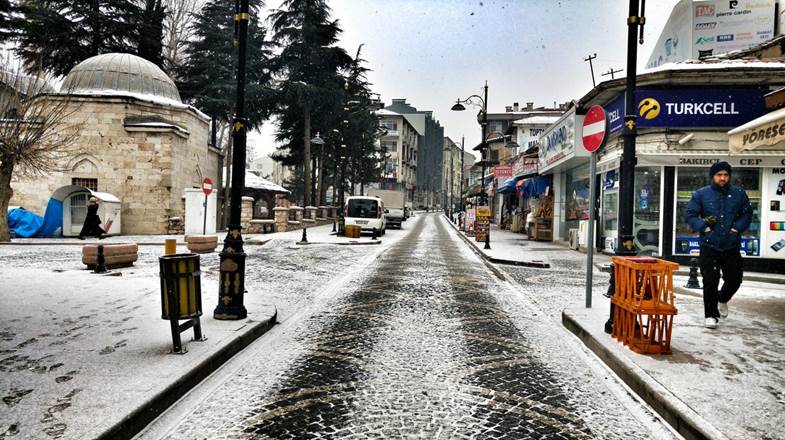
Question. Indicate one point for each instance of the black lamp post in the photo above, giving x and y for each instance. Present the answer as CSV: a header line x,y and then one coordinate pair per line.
x,y
625,245
231,287
483,145
316,141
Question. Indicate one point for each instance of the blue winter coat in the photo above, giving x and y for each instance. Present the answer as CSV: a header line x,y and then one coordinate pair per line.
x,y
730,206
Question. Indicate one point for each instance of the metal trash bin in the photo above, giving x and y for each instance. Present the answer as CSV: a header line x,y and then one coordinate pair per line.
x,y
181,295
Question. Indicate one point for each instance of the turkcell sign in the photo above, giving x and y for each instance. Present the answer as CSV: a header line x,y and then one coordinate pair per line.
x,y
690,108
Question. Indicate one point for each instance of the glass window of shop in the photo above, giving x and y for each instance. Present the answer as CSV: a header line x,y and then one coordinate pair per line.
x,y
609,210
688,180
646,212
576,202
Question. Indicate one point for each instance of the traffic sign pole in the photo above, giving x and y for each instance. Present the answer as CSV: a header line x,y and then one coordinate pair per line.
x,y
207,189
595,133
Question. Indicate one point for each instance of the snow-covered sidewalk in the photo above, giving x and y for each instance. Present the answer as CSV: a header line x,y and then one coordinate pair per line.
x,y
82,354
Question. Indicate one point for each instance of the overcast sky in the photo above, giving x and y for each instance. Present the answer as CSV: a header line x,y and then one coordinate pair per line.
x,y
432,52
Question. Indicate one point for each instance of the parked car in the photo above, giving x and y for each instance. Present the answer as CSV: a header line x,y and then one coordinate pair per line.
x,y
365,212
393,205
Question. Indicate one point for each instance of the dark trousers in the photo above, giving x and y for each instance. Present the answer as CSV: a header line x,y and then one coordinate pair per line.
x,y
712,263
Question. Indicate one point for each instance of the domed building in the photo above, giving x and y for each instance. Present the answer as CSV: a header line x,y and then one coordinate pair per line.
x,y
139,145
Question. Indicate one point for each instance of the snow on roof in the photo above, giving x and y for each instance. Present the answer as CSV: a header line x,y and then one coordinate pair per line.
x,y
255,182
768,118
537,120
717,64
385,112
153,99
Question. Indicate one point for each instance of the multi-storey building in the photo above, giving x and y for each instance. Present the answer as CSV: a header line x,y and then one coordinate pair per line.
x,y
451,174
399,144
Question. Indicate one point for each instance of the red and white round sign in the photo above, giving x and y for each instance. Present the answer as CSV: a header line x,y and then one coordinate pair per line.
x,y
594,128
207,186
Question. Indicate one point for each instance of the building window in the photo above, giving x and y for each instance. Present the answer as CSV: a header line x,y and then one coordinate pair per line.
x,y
389,125
691,179
91,184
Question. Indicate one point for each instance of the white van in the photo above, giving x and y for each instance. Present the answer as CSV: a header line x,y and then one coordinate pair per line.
x,y
365,212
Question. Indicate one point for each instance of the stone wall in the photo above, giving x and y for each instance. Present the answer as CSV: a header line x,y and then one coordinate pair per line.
x,y
147,168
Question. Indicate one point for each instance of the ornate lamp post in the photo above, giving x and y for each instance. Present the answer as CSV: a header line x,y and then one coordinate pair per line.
x,y
231,287
483,118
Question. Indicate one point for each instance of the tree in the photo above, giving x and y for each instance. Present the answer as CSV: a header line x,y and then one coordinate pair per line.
x,y
207,78
178,31
56,35
8,19
36,132
307,72
150,32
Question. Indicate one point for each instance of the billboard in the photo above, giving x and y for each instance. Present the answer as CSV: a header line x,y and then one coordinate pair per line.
x,y
691,107
699,28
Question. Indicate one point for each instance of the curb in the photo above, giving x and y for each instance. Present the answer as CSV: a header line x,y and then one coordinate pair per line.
x,y
536,264
349,243
142,416
681,417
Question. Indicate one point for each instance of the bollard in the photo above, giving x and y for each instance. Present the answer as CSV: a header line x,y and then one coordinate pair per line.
x,y
305,236
373,234
170,246
692,282
609,294
100,261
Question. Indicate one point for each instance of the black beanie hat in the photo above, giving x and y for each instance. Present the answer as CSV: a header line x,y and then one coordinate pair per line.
x,y
719,166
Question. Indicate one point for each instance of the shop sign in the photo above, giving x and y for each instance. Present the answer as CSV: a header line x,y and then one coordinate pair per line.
x,y
483,223
707,161
767,130
750,247
502,171
690,108
559,142
525,166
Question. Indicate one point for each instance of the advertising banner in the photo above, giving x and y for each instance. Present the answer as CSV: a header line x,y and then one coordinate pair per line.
x,y
560,142
502,171
704,28
483,223
774,179
750,247
691,107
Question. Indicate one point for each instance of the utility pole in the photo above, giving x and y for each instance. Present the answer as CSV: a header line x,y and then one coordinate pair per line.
x,y
591,67
231,286
611,72
625,245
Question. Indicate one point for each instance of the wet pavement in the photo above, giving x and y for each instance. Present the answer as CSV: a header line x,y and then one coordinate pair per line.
x,y
426,344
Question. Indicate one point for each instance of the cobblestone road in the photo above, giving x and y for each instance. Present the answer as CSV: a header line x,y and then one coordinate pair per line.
x,y
428,344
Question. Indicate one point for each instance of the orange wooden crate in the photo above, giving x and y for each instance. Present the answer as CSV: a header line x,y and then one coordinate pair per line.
x,y
644,303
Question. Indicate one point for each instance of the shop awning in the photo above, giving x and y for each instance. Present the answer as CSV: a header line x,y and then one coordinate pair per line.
x,y
508,186
535,186
766,130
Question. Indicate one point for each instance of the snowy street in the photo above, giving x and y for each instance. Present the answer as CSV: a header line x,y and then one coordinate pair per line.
x,y
424,343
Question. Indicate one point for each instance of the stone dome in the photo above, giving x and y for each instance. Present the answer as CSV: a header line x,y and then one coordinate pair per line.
x,y
121,74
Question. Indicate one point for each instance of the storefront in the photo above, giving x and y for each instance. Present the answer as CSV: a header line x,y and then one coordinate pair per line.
x,y
562,155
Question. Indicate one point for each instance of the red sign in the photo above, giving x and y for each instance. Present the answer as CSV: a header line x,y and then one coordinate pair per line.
x,y
502,171
207,186
595,128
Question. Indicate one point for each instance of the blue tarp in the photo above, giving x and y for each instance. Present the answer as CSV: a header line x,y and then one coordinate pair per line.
x,y
27,224
24,223
508,186
536,186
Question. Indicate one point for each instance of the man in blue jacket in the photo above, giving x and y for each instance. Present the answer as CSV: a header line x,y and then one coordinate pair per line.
x,y
720,212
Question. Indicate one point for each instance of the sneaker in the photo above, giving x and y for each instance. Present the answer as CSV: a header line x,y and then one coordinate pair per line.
x,y
711,322
723,310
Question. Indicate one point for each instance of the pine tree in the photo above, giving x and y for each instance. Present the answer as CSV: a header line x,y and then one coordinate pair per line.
x,y
7,20
309,84
150,32
208,78
56,35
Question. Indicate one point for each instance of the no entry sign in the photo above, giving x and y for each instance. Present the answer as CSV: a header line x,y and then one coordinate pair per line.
x,y
595,129
207,186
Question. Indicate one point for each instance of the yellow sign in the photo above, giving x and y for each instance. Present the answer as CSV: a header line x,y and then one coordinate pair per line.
x,y
483,211
649,108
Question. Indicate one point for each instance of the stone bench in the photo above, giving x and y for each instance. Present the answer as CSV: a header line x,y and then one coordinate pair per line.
x,y
201,244
262,225
115,255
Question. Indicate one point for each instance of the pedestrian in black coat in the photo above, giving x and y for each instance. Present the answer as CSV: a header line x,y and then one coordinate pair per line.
x,y
720,212
92,223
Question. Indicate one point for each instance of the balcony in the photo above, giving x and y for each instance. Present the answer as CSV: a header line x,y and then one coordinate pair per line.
x,y
390,133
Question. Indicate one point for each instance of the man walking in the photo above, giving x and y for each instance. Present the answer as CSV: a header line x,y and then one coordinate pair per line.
x,y
720,212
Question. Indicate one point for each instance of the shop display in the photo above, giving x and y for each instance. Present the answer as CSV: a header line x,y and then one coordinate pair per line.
x,y
774,237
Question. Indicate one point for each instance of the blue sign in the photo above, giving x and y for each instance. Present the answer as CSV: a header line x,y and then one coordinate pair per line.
x,y
690,108
750,247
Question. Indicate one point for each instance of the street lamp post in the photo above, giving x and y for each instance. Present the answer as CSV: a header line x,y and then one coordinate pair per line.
x,y
483,146
316,141
231,286
463,207
625,245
